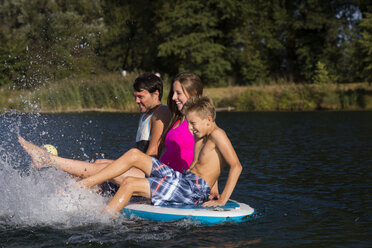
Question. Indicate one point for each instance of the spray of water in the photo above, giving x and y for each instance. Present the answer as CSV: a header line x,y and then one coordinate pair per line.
x,y
39,197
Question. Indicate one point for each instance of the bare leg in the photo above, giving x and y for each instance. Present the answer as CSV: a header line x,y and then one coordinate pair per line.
x,y
132,158
102,163
85,169
131,186
42,158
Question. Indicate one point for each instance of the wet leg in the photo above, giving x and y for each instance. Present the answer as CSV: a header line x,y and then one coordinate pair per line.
x,y
130,186
132,158
42,158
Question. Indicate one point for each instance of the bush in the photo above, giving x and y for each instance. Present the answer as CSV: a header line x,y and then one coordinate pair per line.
x,y
108,92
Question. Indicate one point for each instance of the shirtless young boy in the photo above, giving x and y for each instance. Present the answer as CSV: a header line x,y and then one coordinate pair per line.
x,y
163,185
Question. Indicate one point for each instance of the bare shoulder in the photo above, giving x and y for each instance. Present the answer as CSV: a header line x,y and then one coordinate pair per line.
x,y
223,144
219,135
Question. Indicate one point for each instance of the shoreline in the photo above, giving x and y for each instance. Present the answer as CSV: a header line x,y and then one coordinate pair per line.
x,y
98,110
87,98
223,109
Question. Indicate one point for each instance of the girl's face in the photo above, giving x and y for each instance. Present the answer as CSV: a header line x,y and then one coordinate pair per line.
x,y
180,97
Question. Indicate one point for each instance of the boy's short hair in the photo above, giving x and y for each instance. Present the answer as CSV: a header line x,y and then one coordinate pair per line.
x,y
202,105
150,82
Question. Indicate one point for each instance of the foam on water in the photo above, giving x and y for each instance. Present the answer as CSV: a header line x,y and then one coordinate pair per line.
x,y
31,197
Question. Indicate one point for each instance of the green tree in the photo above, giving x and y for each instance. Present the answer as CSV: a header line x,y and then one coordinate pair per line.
x,y
366,46
59,37
130,41
257,40
321,75
248,41
320,30
190,38
12,54
12,47
288,38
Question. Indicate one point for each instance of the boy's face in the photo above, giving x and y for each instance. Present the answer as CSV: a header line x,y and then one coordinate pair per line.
x,y
145,100
197,125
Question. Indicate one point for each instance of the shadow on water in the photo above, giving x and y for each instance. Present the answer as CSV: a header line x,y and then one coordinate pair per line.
x,y
309,173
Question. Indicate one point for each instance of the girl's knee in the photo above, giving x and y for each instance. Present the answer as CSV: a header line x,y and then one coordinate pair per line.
x,y
134,153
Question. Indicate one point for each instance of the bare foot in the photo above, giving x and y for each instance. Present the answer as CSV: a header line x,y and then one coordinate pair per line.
x,y
40,157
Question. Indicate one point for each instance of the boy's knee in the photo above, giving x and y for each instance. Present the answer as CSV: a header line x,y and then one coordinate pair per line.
x,y
133,183
128,182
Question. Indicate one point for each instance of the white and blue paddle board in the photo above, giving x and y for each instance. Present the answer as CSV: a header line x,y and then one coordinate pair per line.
x,y
233,211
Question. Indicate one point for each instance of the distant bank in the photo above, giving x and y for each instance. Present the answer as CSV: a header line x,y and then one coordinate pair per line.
x,y
294,97
112,93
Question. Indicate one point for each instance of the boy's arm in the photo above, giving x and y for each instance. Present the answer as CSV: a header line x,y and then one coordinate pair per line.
x,y
159,121
214,192
225,147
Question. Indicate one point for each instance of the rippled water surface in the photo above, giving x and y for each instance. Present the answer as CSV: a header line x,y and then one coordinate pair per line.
x,y
308,173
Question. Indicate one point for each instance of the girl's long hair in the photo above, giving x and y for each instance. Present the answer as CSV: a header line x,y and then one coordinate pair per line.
x,y
192,85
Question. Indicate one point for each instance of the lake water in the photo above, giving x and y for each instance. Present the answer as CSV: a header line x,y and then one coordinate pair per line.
x,y
309,174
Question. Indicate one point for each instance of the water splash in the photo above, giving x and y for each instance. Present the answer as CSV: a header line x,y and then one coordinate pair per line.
x,y
30,200
30,197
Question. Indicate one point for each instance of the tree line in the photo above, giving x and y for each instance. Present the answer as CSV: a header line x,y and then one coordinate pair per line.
x,y
224,41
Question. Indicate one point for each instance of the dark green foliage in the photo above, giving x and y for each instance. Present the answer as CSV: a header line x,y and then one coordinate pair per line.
x,y
12,57
224,41
191,37
129,41
366,46
58,39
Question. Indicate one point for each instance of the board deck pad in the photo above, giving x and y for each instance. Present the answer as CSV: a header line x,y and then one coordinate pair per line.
x,y
233,211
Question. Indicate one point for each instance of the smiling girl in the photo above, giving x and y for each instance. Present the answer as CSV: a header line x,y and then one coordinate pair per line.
x,y
177,141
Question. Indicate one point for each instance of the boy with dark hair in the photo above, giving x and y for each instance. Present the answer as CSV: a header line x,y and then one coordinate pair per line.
x,y
148,91
150,82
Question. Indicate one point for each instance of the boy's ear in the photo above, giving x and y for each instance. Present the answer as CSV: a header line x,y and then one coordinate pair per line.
x,y
156,92
209,118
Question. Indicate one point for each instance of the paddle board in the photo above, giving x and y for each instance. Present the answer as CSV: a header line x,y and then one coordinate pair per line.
x,y
233,211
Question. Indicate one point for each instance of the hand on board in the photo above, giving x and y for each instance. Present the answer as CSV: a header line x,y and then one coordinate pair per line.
x,y
213,203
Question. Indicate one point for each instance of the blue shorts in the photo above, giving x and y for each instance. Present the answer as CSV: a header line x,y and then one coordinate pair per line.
x,y
172,187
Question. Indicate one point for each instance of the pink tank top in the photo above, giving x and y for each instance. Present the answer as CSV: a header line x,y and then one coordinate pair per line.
x,y
179,144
